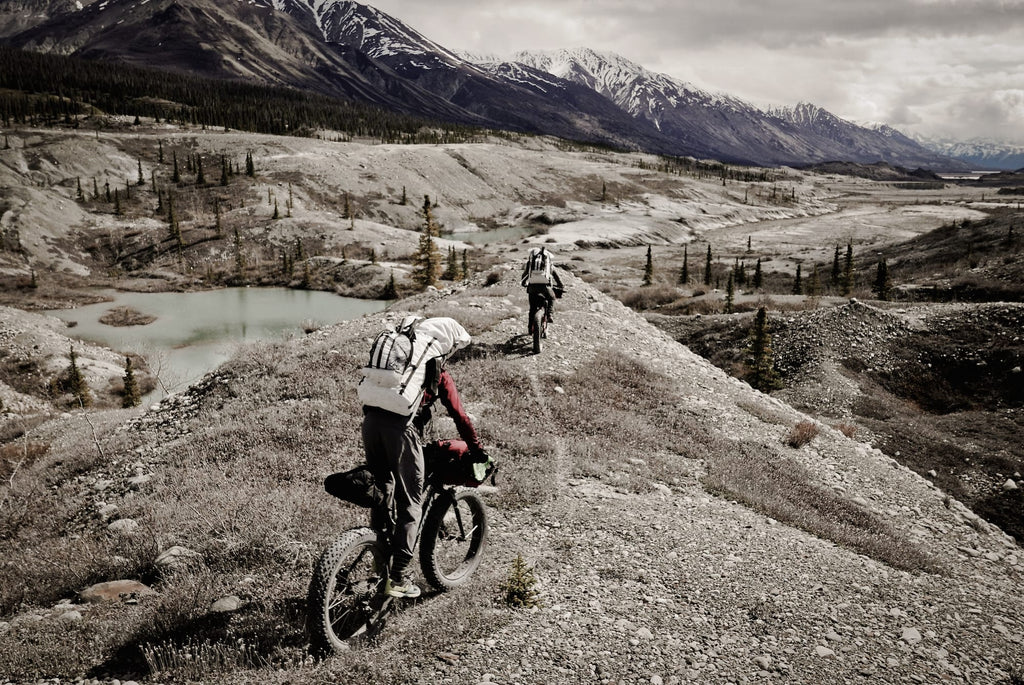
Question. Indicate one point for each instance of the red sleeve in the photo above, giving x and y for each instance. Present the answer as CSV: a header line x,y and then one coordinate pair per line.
x,y
449,396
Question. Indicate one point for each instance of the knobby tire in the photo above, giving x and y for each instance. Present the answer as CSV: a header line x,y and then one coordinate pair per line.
x,y
538,324
345,602
453,540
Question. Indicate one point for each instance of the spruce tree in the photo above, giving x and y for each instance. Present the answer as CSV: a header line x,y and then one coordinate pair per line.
x,y
684,272
160,151
426,262
95,190
223,170
390,292
176,173
429,226
117,203
451,271
464,270
798,286
648,268
239,261
142,178
172,219
131,387
79,195
730,294
250,166
277,214
200,176
106,191
836,270
761,372
814,287
847,282
758,276
882,284
405,198
76,384
707,268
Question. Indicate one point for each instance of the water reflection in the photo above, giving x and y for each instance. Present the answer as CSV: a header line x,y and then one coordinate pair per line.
x,y
195,332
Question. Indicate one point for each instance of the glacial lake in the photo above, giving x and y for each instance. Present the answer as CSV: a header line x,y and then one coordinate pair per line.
x,y
509,234
196,332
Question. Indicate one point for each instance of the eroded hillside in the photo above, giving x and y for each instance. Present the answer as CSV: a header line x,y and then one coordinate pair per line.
x,y
676,536
161,207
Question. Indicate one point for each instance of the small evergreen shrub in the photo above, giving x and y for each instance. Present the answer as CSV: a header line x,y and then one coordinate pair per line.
x,y
518,590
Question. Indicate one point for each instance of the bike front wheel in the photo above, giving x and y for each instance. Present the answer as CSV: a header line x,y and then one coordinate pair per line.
x,y
345,602
454,539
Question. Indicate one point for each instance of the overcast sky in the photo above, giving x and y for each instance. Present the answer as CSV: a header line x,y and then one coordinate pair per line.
x,y
942,68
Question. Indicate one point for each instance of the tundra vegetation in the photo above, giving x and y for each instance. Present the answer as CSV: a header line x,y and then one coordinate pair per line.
x,y
231,470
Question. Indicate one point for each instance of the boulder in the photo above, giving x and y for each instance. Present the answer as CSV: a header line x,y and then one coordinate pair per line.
x,y
124,526
226,604
114,591
176,556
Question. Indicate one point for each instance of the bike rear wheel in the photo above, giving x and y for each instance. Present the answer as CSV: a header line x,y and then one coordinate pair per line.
x,y
345,602
538,326
454,539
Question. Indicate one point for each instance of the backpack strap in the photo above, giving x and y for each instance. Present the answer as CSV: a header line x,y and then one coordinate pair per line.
x,y
423,356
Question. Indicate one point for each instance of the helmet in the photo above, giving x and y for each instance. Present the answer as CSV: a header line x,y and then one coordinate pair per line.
x,y
408,325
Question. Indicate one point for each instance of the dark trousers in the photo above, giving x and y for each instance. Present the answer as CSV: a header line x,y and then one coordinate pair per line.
x,y
394,455
541,295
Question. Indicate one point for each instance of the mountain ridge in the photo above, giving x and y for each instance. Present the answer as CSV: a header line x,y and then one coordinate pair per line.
x,y
351,50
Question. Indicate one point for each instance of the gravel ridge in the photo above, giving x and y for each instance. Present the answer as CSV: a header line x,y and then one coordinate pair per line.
x,y
678,585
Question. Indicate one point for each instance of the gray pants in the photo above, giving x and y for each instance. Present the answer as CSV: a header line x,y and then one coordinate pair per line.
x,y
394,455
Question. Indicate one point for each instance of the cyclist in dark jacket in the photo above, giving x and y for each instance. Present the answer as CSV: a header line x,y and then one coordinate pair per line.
x,y
392,445
541,285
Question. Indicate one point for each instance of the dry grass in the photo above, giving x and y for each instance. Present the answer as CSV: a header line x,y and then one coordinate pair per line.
x,y
626,429
241,483
847,429
649,297
802,434
781,488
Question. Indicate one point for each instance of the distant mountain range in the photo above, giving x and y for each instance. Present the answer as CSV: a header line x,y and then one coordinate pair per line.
x,y
980,154
349,50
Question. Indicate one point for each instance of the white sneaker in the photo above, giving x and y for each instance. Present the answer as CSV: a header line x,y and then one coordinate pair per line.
x,y
401,588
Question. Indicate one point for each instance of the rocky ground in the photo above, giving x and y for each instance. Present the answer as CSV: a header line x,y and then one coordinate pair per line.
x,y
667,584
676,585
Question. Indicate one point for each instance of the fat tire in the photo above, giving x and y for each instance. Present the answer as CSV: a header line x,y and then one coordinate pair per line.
x,y
365,605
441,569
538,329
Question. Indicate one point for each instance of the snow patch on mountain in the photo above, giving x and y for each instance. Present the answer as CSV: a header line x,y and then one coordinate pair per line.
x,y
631,86
981,153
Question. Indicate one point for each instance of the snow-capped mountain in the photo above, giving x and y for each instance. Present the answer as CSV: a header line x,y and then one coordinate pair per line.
x,y
724,126
350,50
980,154
378,35
18,15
